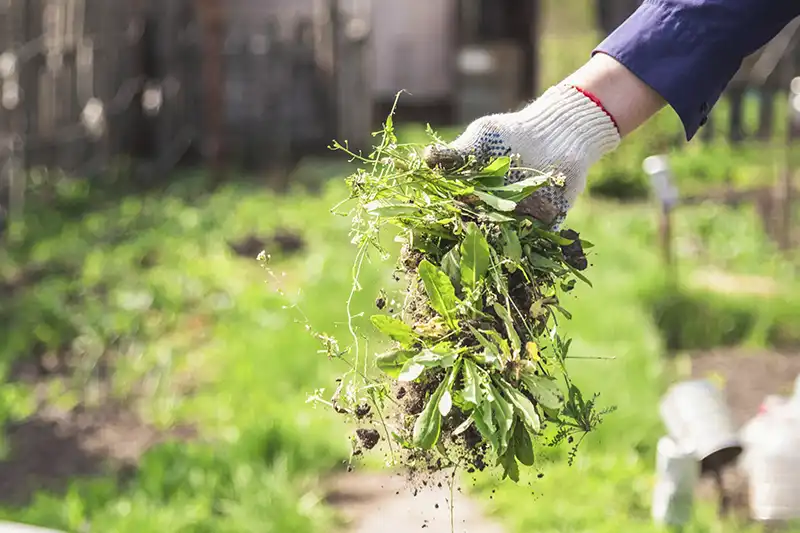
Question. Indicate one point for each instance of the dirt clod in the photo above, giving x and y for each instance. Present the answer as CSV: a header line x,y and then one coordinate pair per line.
x,y
573,253
368,437
363,411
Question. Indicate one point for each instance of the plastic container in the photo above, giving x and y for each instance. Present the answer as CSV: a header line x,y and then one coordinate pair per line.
x,y
677,471
773,465
753,432
795,399
698,419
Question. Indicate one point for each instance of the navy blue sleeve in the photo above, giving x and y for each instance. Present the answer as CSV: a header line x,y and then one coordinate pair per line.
x,y
689,50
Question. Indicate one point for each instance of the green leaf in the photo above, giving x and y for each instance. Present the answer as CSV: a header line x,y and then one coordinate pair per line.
x,y
496,202
542,262
524,407
445,403
391,363
411,370
433,359
500,341
497,168
440,291
471,391
544,389
451,266
428,425
523,445
421,241
464,426
553,237
512,248
387,208
580,276
482,416
482,340
489,360
491,181
564,312
414,367
504,415
494,216
394,328
502,312
510,466
525,186
474,256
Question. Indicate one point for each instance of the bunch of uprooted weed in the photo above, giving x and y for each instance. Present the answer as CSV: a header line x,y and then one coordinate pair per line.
x,y
476,372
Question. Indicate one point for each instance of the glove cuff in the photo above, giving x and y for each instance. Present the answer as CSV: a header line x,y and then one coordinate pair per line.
x,y
573,122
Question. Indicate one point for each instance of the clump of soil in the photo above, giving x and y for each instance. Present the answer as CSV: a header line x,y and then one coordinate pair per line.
x,y
368,438
573,252
283,241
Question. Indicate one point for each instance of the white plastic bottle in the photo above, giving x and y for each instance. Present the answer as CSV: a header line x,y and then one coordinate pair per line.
x,y
773,465
756,429
677,471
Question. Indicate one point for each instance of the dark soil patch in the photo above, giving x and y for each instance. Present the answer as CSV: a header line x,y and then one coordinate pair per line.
x,y
54,446
749,377
282,242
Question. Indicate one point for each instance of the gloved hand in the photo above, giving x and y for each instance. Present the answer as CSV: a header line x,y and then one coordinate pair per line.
x,y
564,131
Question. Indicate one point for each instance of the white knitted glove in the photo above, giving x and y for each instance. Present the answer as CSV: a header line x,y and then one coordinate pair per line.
x,y
563,132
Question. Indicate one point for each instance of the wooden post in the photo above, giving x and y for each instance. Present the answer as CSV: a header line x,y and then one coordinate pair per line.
x,y
334,22
736,133
766,113
707,131
353,87
657,168
788,171
523,23
212,29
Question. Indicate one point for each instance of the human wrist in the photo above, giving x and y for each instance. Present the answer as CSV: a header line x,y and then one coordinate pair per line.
x,y
627,98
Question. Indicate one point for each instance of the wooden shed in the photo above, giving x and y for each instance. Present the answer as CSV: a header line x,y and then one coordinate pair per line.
x,y
414,47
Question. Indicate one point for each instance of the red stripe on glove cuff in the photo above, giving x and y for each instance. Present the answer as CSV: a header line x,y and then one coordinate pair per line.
x,y
597,101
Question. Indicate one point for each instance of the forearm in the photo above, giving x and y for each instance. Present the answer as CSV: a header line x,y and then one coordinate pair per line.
x,y
629,100
688,50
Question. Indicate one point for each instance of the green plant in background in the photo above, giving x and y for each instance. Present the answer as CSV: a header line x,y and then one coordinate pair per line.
x,y
477,366
150,288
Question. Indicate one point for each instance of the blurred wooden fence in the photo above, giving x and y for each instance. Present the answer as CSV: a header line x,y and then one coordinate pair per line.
x,y
88,83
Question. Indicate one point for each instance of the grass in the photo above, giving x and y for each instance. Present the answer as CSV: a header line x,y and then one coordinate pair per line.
x,y
612,478
211,319
199,314
202,315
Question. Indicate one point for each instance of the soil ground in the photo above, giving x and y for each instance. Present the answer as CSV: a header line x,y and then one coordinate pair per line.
x,y
54,446
370,502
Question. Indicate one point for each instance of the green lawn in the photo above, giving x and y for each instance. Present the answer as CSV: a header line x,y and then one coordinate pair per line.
x,y
608,487
201,314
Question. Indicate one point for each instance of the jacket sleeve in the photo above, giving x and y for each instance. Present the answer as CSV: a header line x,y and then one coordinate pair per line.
x,y
688,50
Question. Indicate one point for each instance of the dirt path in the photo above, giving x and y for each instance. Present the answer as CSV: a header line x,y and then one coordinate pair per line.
x,y
373,502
